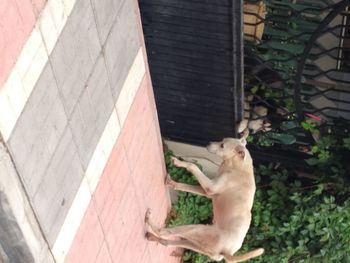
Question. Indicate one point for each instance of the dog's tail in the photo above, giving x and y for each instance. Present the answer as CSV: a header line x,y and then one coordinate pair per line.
x,y
251,254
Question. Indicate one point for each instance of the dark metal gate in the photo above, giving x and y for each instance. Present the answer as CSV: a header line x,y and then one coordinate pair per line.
x,y
196,61
301,65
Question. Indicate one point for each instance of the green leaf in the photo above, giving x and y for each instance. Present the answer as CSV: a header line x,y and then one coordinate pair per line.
x,y
288,47
281,138
319,189
315,149
312,161
289,125
325,237
346,143
254,89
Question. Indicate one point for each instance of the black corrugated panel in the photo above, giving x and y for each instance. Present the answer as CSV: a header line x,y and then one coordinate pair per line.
x,y
196,61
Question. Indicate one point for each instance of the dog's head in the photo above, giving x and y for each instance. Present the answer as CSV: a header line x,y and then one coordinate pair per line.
x,y
229,148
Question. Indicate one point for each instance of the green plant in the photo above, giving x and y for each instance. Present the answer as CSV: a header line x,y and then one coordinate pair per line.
x,y
346,143
328,151
299,220
309,125
267,139
322,149
289,104
264,141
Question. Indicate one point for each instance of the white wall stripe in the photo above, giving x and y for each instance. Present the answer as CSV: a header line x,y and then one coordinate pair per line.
x,y
33,57
36,66
102,151
68,6
8,102
71,224
59,14
130,86
28,52
99,160
48,29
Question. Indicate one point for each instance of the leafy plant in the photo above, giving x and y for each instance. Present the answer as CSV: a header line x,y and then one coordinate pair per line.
x,y
267,139
264,141
329,151
346,143
309,125
299,221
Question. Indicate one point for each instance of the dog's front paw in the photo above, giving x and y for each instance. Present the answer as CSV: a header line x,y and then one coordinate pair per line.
x,y
149,236
178,163
169,182
174,160
177,254
147,215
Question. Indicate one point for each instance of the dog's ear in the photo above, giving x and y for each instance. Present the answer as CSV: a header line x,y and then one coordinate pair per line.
x,y
240,150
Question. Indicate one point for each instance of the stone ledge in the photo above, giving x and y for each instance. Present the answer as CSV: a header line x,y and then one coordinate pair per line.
x,y
21,237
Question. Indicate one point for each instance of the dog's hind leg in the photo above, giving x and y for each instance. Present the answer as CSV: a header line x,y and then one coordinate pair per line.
x,y
185,231
183,243
172,243
151,228
203,236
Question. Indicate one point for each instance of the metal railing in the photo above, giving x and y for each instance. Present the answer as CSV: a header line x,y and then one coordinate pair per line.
x,y
300,71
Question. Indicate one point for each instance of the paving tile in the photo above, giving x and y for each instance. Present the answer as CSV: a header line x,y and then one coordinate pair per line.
x,y
38,5
47,26
149,174
130,87
106,13
117,158
82,124
137,124
26,139
53,197
103,255
117,176
122,43
136,245
16,22
146,257
72,51
100,94
88,240
26,15
35,139
64,199
101,193
124,223
59,17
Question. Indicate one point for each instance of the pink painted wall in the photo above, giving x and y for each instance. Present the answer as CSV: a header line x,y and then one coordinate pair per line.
x,y
56,119
133,180
17,20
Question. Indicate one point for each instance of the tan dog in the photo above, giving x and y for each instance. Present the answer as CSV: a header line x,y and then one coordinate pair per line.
x,y
232,193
